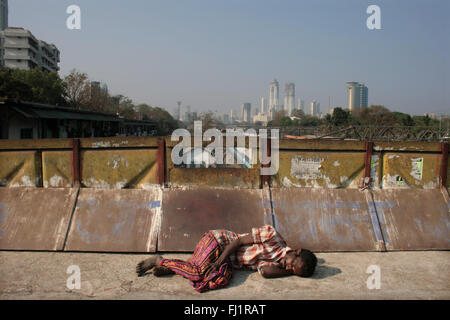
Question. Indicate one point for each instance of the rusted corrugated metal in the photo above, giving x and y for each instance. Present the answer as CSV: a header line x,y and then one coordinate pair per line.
x,y
327,219
115,221
188,214
413,219
35,219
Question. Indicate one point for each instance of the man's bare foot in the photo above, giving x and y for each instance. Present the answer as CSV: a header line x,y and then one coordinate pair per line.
x,y
147,264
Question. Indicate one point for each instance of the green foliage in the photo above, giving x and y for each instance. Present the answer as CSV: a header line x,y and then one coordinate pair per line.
x,y
33,85
340,117
166,123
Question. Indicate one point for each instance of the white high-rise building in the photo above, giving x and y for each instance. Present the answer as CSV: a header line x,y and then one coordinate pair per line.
x,y
263,104
246,112
315,108
273,96
301,105
357,95
289,98
3,14
179,113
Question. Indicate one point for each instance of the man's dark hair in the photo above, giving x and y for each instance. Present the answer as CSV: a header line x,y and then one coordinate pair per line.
x,y
309,262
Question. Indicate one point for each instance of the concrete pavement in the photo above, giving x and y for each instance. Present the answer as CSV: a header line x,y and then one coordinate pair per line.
x,y
403,275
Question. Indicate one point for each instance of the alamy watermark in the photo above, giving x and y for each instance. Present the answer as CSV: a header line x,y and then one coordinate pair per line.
x,y
373,22
374,280
185,153
74,280
73,22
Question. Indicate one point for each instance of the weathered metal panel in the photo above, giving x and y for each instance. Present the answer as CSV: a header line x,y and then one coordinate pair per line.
x,y
409,146
327,219
115,221
34,144
322,145
319,169
215,177
20,169
119,142
413,219
34,219
188,214
118,169
411,170
56,169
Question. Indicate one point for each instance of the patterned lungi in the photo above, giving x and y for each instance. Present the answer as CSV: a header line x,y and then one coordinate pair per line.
x,y
206,252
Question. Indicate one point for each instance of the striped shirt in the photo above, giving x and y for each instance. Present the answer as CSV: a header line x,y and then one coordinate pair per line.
x,y
268,247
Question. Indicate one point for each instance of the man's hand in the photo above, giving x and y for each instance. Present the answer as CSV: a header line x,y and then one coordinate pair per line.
x,y
244,240
215,266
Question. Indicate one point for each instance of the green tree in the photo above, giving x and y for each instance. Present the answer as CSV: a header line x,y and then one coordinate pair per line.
x,y
76,84
33,85
286,122
310,121
375,115
340,117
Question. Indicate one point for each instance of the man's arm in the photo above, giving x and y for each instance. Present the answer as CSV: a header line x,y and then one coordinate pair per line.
x,y
273,271
229,249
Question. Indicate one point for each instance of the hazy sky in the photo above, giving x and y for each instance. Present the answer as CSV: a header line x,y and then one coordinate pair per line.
x,y
217,54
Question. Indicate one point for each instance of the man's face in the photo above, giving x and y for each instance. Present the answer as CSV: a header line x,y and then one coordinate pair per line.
x,y
292,263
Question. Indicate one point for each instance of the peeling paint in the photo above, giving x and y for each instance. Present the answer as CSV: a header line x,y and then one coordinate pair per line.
x,y
417,168
101,144
54,181
336,163
26,182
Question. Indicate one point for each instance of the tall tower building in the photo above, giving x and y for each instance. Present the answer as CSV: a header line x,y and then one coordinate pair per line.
x,y
179,116
357,95
246,112
273,96
3,14
263,104
301,105
315,108
289,98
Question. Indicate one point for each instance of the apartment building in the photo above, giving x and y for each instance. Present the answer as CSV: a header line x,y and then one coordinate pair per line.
x,y
20,49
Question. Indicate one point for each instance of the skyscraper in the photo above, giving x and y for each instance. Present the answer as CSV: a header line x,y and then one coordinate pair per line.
x,y
357,95
179,114
301,105
273,96
315,108
263,104
289,98
3,14
246,112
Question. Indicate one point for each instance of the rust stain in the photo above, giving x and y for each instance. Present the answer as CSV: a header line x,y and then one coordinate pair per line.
x,y
326,219
115,221
413,219
20,169
34,219
188,214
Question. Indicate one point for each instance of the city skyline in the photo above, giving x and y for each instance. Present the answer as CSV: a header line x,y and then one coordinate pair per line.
x,y
217,56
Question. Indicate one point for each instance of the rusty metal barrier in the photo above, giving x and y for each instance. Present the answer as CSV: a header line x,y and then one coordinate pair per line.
x,y
327,196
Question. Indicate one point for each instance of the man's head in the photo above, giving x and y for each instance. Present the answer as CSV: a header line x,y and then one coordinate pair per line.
x,y
301,262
